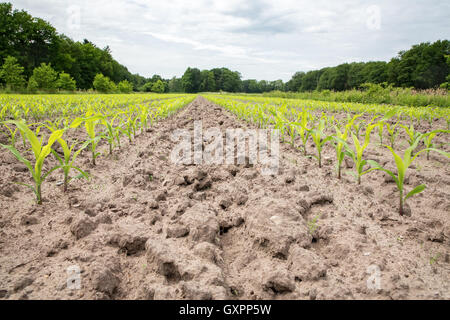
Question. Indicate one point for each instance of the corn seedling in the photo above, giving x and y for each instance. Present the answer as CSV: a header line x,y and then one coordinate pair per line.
x,y
280,124
357,153
112,133
434,258
319,138
303,131
40,152
412,133
66,163
339,146
380,126
402,165
12,135
428,139
143,115
313,225
393,132
358,126
90,124
292,131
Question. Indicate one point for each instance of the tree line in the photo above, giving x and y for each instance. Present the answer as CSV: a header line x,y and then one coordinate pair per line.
x,y
424,66
34,56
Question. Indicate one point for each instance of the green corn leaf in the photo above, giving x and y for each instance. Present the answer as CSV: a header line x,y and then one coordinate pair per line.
x,y
18,156
30,136
400,166
445,154
416,190
26,185
50,171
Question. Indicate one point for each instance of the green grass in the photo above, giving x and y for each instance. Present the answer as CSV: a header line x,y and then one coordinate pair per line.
x,y
374,94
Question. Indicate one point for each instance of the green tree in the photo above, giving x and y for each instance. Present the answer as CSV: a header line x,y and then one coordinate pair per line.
x,y
263,86
125,86
11,73
311,80
66,82
45,77
147,87
103,84
208,83
191,80
446,85
231,80
251,86
375,72
278,85
326,79
158,87
339,80
175,85
423,66
31,40
32,85
112,87
296,82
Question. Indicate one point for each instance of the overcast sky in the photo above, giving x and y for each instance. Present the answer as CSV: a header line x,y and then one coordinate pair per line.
x,y
262,39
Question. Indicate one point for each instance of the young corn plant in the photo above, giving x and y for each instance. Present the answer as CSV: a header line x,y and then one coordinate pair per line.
x,y
320,139
383,122
90,129
428,139
111,132
339,146
292,131
280,124
40,152
412,133
402,165
358,126
127,129
393,132
66,163
143,115
119,131
357,153
90,122
303,130
380,126
291,128
12,135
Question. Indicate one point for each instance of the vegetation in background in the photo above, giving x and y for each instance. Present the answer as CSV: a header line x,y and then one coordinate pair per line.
x,y
66,82
44,77
12,74
103,84
374,93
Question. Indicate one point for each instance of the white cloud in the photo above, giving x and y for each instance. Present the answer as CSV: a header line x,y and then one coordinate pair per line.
x,y
261,39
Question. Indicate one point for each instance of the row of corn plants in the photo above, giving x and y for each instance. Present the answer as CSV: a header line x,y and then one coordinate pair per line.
x,y
100,117
350,129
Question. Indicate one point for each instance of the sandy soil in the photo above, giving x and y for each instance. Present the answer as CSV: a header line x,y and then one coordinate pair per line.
x,y
145,228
